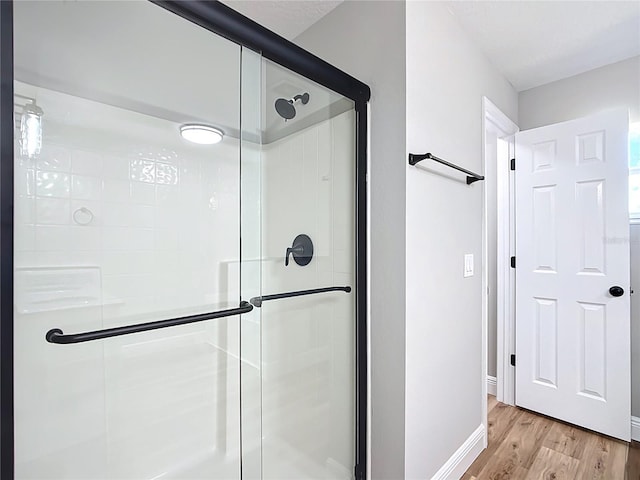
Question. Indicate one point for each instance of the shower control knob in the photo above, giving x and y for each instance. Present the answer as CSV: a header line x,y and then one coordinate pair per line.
x,y
616,291
292,250
302,250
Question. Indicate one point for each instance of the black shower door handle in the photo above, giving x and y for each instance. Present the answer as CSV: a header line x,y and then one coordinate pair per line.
x,y
257,301
56,335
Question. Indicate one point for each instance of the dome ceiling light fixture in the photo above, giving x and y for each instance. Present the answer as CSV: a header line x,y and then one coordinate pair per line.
x,y
201,134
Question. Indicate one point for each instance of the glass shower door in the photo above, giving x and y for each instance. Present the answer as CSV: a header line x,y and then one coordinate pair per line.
x,y
184,254
121,220
307,305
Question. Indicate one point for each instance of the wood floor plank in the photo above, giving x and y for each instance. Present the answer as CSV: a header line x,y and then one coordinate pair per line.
x,y
504,471
596,454
492,401
517,452
568,439
603,459
500,420
633,462
617,459
551,465
525,445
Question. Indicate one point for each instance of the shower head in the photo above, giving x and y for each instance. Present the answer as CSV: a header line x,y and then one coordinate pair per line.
x,y
285,107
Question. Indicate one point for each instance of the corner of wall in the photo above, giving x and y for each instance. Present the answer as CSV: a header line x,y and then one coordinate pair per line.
x,y
461,460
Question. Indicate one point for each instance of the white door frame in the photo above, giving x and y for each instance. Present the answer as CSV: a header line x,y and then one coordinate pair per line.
x,y
493,118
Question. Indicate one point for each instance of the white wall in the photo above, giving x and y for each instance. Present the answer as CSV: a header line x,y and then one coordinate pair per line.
x,y
366,39
615,85
446,79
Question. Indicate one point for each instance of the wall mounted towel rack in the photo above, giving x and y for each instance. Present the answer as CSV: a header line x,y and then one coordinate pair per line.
x,y
471,177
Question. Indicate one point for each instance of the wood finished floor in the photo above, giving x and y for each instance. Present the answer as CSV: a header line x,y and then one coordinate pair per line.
x,y
527,446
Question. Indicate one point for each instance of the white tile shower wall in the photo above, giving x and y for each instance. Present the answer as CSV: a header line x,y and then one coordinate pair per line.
x,y
156,214
163,231
307,355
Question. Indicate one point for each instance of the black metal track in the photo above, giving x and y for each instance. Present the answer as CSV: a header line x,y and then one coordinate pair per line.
x,y
56,335
257,301
471,177
6,240
361,343
228,23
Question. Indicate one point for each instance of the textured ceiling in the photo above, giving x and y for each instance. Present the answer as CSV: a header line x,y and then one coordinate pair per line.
x,y
288,18
537,42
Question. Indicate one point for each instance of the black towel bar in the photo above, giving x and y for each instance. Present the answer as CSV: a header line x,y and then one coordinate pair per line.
x,y
471,177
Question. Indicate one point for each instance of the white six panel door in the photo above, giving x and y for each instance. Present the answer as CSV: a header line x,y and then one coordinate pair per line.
x,y
572,245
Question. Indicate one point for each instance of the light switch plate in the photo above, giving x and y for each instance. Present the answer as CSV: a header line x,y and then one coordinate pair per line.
x,y
468,265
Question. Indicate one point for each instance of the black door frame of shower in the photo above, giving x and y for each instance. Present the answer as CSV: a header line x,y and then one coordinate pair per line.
x,y
226,22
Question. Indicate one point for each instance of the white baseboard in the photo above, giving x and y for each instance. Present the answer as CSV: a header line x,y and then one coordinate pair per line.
x,y
462,459
635,428
492,385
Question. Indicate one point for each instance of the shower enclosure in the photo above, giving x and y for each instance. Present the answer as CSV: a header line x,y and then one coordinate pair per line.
x,y
182,207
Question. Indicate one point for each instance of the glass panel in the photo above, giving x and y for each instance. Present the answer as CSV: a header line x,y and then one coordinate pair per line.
x,y
251,265
121,221
308,342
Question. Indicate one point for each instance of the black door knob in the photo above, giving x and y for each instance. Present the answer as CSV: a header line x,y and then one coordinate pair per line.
x,y
616,291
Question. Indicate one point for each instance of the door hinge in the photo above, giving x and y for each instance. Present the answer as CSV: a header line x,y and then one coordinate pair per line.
x,y
513,360
512,165
358,473
513,262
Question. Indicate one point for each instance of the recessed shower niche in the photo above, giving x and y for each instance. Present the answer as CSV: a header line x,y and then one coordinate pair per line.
x,y
139,240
